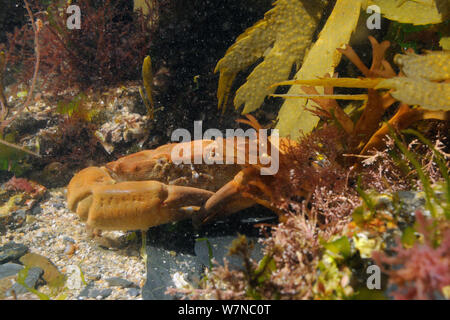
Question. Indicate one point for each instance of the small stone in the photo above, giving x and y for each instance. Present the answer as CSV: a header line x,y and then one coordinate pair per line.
x,y
36,210
74,277
12,251
68,239
94,277
58,205
120,282
85,291
9,269
99,294
134,292
90,292
31,280
70,249
20,214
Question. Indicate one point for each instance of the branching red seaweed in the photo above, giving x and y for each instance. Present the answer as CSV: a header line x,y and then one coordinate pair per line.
x,y
419,272
91,56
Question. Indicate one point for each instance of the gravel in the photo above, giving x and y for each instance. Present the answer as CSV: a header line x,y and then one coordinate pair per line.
x,y
111,263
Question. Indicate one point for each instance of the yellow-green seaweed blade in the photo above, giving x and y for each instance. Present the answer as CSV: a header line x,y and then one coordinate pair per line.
x,y
321,60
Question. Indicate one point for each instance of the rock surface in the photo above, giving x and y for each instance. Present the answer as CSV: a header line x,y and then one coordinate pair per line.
x,y
9,269
31,280
12,251
179,255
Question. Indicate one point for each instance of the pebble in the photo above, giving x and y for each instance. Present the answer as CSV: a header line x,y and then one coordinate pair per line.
x,y
9,269
30,219
91,292
85,291
58,205
134,292
12,251
99,294
36,210
68,239
21,213
120,282
74,277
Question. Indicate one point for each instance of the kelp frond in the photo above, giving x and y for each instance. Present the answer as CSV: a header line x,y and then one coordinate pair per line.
x,y
321,59
434,65
281,38
417,12
415,89
147,79
429,95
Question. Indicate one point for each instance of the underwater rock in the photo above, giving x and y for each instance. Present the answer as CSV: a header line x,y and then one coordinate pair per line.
x,y
54,174
121,117
19,196
134,292
91,292
178,253
8,274
74,277
28,123
31,280
123,128
393,214
10,206
120,282
51,275
12,251
9,269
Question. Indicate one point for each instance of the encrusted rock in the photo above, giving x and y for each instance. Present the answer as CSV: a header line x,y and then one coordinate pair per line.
x,y
12,251
31,280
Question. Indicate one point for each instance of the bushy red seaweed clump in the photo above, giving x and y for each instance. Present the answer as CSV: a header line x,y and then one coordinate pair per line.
x,y
422,271
93,55
19,184
317,213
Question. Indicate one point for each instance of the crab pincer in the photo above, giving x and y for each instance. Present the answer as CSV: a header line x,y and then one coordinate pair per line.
x,y
132,205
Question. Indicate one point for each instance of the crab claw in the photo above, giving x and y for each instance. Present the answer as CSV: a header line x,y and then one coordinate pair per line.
x,y
136,205
81,184
226,201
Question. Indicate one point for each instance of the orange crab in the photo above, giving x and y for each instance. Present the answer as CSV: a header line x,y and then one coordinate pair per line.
x,y
148,188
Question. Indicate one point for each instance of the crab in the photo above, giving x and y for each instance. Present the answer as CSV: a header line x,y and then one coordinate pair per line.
x,y
148,188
